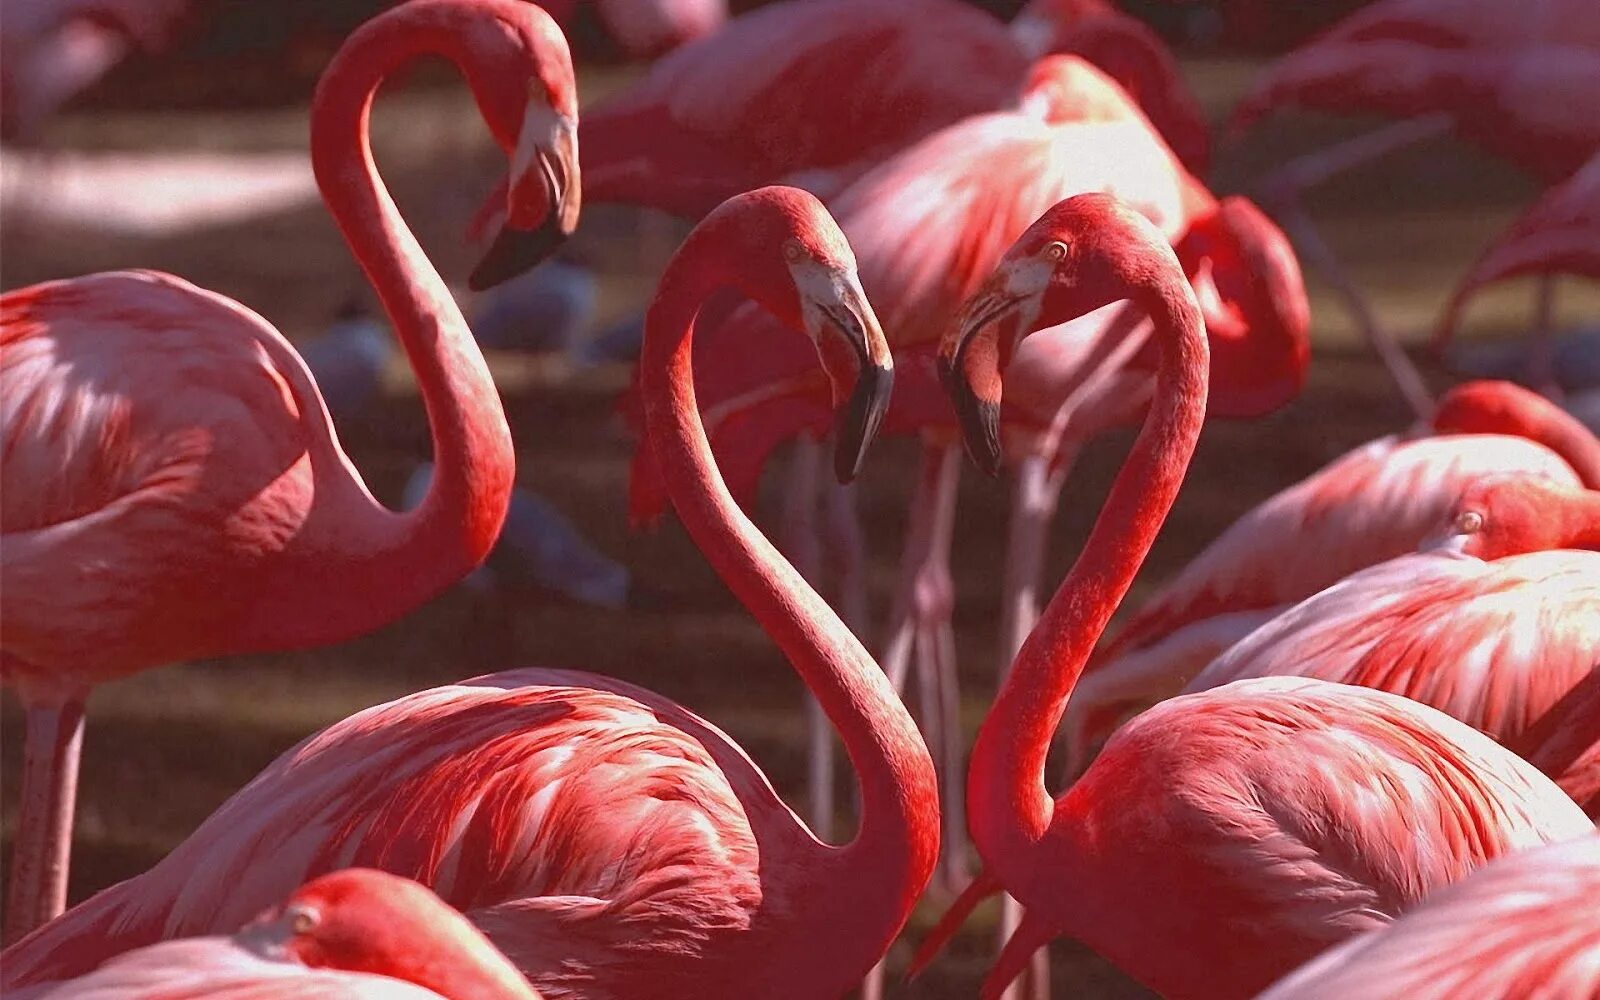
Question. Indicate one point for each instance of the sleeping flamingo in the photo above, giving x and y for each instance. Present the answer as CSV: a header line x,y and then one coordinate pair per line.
x,y
1518,79
353,934
1221,838
1524,926
1377,502
139,544
814,92
611,843
1493,623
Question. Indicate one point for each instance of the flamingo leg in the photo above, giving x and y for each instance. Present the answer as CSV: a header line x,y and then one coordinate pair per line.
x,y
1283,192
799,541
1541,372
51,752
1036,490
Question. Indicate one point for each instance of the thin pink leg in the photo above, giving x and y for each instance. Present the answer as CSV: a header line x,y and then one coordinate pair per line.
x,y
1036,489
799,541
1282,191
44,833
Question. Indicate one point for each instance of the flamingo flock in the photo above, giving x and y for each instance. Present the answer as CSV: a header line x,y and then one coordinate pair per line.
x,y
1351,749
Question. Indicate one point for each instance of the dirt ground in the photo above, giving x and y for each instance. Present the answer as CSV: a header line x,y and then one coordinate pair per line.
x,y
164,749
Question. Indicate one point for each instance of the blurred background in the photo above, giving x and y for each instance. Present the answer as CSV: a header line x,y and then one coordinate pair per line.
x,y
180,145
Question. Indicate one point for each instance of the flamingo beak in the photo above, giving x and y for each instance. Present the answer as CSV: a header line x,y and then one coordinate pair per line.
x,y
845,308
544,175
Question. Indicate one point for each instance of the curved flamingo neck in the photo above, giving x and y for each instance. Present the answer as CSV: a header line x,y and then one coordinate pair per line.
x,y
1488,407
856,898
1009,807
459,519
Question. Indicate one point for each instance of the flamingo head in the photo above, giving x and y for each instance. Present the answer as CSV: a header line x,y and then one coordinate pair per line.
x,y
529,99
1513,514
793,260
362,920
1084,253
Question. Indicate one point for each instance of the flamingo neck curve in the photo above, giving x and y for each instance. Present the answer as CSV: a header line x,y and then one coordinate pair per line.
x,y
850,901
415,554
1009,807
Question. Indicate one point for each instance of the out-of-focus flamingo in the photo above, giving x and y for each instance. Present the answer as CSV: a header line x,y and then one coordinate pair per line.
x,y
1221,838
355,934
647,28
1493,623
188,496
1524,926
347,361
1375,503
1566,742
1519,80
1558,234
611,843
826,88
52,49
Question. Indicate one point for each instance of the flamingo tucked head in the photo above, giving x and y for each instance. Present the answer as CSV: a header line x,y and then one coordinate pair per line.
x,y
1084,253
1507,515
528,96
362,920
1254,300
811,284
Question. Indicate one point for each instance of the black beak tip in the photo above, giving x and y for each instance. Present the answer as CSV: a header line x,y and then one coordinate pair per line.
x,y
980,430
859,421
515,251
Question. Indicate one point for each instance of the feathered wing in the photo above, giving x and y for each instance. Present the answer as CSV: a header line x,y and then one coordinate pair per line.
x,y
1375,503
1292,813
1565,743
1524,926
215,968
1495,644
138,485
563,812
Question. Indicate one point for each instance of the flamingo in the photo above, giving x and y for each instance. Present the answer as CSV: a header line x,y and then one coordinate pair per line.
x,y
1518,80
1492,624
925,224
1559,233
1377,502
610,842
647,28
815,92
1221,838
139,544
1566,742
1524,926
348,935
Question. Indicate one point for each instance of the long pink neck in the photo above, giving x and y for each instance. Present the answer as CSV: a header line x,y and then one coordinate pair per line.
x,y
1008,805
413,555
854,899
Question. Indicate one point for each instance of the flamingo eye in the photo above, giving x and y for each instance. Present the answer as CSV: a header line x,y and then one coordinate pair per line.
x,y
302,921
1055,250
791,251
1469,522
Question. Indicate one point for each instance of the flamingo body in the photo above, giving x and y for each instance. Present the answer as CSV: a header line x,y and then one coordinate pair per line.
x,y
1524,926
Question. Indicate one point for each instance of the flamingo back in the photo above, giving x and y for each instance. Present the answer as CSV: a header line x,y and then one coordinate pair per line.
x,y
574,825
1271,818
1524,926
1494,644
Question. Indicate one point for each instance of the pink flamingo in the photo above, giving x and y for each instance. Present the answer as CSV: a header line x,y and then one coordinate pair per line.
x,y
647,28
1377,502
139,543
1491,624
781,92
350,935
610,842
1225,837
1566,742
1519,80
1524,926
1558,234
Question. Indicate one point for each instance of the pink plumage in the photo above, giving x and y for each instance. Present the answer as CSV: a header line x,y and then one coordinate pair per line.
x,y
1378,502
1524,926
